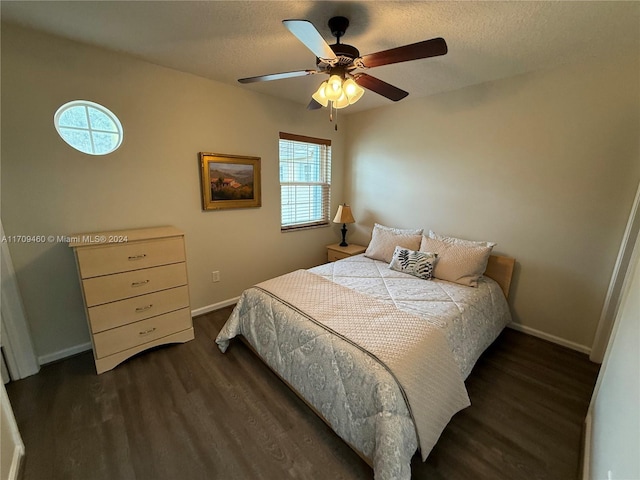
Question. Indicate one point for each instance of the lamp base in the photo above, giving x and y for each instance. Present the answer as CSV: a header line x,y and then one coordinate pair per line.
x,y
344,236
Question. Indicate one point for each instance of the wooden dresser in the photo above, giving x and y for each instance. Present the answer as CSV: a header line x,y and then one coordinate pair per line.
x,y
135,290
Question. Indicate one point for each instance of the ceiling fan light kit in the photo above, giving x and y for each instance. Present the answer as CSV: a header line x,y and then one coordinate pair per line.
x,y
346,86
338,91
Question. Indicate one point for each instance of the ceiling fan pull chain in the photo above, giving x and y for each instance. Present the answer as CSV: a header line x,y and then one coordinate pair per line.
x,y
333,114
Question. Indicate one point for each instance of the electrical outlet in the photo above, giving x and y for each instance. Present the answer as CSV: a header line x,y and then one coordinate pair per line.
x,y
215,276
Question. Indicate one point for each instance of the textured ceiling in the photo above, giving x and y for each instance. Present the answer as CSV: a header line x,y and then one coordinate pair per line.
x,y
228,40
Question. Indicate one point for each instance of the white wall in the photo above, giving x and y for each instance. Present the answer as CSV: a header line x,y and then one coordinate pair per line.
x,y
11,446
614,409
545,164
153,179
15,337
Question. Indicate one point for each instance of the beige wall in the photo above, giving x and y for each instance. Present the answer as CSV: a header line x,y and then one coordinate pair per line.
x,y
545,164
153,179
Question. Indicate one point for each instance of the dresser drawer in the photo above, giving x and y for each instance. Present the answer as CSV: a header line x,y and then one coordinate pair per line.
x,y
123,312
124,257
332,255
139,333
99,290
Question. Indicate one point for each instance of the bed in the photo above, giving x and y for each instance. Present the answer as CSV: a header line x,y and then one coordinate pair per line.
x,y
380,355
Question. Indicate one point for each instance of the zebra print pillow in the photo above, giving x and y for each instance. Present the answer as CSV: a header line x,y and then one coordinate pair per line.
x,y
418,264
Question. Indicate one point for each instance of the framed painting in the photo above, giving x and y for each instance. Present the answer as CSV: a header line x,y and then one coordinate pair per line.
x,y
229,181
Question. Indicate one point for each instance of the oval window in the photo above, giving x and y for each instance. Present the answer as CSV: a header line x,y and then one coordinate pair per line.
x,y
88,127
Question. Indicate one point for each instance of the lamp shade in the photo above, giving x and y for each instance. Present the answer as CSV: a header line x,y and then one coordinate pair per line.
x,y
321,95
353,91
333,90
341,102
344,215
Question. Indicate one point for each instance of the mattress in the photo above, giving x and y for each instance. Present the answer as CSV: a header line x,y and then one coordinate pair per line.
x,y
353,392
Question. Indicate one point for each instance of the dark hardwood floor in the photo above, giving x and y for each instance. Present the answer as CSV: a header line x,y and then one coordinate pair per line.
x,y
189,412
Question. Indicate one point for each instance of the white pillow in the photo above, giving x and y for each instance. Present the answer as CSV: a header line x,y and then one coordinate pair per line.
x,y
460,241
384,240
418,264
457,263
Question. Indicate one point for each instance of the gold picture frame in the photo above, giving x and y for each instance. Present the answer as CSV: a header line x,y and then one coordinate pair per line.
x,y
229,181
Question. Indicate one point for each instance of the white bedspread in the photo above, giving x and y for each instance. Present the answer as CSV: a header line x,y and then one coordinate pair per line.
x,y
414,352
471,318
357,396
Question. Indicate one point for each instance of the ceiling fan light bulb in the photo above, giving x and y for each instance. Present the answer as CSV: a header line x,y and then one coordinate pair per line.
x,y
341,102
353,91
334,88
321,95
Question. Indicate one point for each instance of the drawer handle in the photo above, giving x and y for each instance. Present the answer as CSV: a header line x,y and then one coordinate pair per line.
x,y
137,257
146,307
147,332
139,284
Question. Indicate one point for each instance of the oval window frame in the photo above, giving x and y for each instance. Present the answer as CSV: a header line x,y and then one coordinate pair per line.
x,y
102,109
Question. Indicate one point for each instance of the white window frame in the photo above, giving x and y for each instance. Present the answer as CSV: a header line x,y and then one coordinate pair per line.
x,y
86,104
295,221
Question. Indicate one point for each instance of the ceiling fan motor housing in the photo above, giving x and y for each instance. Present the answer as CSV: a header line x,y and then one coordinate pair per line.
x,y
346,55
344,50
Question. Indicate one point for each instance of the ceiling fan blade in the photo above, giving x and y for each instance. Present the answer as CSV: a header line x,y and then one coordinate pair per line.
x,y
381,88
278,76
313,105
310,37
414,51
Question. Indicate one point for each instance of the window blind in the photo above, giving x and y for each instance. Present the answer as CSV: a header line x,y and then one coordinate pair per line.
x,y
305,181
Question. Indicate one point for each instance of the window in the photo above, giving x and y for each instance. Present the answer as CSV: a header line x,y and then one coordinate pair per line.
x,y
88,127
305,181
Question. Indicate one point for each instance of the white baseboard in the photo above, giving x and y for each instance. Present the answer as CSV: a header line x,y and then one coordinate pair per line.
x,y
214,306
67,352
550,338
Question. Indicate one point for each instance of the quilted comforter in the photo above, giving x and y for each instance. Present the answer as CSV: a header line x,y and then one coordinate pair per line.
x,y
357,394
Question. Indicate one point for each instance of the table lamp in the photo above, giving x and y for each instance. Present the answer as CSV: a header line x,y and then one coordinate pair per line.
x,y
344,216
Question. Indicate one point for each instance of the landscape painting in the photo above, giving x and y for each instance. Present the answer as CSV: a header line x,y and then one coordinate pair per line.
x,y
229,181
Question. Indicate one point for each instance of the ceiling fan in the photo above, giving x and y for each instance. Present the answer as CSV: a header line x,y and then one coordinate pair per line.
x,y
342,62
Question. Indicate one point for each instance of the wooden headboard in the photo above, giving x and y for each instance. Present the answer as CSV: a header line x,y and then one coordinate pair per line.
x,y
500,269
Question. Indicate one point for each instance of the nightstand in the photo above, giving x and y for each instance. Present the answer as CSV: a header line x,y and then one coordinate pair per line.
x,y
336,252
